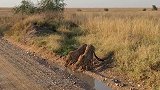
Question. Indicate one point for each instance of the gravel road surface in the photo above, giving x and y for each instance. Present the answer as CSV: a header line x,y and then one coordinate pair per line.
x,y
20,70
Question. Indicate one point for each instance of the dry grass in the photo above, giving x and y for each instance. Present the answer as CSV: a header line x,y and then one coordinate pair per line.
x,y
134,36
5,12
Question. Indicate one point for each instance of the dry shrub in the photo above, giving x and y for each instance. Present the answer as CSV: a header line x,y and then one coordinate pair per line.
x,y
47,30
144,9
106,9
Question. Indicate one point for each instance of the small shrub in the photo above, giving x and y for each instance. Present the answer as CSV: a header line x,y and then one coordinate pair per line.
x,y
51,5
154,8
144,9
26,7
106,9
79,10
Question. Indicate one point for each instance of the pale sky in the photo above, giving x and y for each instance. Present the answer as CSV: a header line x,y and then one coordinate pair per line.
x,y
94,3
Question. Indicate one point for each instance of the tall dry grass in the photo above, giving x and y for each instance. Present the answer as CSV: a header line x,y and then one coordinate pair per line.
x,y
133,36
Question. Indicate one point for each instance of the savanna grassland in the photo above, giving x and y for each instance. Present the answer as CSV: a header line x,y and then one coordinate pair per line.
x,y
132,34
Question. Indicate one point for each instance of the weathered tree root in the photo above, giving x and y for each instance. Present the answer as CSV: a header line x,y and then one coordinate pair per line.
x,y
83,58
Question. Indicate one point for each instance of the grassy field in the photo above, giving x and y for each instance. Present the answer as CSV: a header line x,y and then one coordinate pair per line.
x,y
132,34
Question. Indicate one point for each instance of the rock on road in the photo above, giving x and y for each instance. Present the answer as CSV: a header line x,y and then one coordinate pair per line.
x,y
22,71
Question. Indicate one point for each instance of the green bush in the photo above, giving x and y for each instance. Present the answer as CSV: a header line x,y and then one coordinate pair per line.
x,y
26,7
51,5
154,8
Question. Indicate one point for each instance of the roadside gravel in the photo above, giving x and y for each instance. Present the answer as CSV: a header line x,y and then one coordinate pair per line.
x,y
23,70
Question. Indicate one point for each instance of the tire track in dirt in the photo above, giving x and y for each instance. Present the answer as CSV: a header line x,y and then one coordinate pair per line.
x,y
10,75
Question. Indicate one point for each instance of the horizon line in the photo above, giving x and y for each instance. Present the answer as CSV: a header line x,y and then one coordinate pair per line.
x,y
88,7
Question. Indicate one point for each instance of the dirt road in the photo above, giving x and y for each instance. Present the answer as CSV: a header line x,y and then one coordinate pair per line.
x,y
20,70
